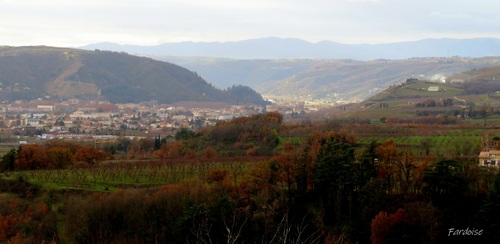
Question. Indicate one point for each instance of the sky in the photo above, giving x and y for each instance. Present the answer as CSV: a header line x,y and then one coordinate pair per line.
x,y
72,23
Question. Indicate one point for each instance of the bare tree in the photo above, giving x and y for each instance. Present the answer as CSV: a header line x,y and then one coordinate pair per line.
x,y
201,227
233,231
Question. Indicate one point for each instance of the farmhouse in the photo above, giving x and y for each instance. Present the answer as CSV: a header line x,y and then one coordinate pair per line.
x,y
433,88
489,158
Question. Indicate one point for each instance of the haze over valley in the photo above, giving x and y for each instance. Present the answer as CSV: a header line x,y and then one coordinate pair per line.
x,y
250,121
293,69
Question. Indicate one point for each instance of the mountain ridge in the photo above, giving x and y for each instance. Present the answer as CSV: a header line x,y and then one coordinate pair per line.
x,y
34,72
293,48
333,80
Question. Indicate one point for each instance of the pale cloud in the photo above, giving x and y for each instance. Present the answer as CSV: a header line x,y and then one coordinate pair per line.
x,y
364,1
149,22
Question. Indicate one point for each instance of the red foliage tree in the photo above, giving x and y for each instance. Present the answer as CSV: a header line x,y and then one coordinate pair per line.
x,y
6,224
31,156
382,224
210,153
217,175
90,155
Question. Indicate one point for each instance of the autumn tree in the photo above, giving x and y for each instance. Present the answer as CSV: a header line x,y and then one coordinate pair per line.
x,y
190,154
171,150
390,228
31,156
6,224
58,157
287,171
417,222
62,144
387,152
405,167
209,153
141,147
90,155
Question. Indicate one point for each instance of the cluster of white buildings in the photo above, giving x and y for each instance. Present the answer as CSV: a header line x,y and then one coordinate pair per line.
x,y
97,117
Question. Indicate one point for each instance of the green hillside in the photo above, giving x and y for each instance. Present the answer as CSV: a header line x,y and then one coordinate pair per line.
x,y
356,81
475,100
33,72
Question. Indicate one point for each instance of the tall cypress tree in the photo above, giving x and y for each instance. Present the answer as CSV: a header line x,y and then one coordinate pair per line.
x,y
335,179
8,160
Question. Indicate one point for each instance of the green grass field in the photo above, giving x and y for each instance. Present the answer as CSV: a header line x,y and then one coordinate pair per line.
x,y
112,176
436,145
5,149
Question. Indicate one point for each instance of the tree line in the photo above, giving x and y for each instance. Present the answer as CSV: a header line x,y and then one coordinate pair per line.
x,y
324,188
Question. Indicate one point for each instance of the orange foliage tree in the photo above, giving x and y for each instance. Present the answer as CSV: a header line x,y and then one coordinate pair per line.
x,y
383,224
7,223
399,167
417,222
90,155
171,150
210,153
289,167
31,156
59,157
190,154
387,152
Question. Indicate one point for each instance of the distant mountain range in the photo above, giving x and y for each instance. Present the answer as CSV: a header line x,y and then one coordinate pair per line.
x,y
333,79
36,72
289,48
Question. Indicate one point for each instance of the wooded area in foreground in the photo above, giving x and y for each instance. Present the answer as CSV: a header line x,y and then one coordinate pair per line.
x,y
251,180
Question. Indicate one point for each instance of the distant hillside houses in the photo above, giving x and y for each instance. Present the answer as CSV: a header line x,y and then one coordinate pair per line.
x,y
433,88
226,117
84,115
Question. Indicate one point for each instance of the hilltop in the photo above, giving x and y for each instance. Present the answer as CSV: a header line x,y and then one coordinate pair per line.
x,y
473,95
35,72
355,81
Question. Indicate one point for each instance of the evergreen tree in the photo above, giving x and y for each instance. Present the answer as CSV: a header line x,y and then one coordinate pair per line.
x,y
488,215
335,179
157,142
8,160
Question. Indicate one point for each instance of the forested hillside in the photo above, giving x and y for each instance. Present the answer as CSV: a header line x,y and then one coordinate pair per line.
x,y
34,72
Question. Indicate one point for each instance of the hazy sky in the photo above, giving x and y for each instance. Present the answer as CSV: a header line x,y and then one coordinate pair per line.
x,y
151,22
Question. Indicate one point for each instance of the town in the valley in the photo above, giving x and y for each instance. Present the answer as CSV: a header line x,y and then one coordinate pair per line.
x,y
43,119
